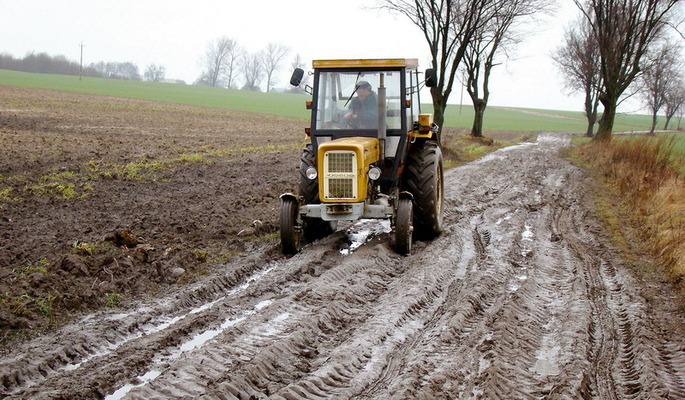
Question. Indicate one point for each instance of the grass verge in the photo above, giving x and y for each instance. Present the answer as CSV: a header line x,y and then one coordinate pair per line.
x,y
646,176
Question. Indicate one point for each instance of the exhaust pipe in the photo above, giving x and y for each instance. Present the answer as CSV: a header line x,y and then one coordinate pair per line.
x,y
382,114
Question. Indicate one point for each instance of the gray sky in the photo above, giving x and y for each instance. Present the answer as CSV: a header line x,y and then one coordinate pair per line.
x,y
175,33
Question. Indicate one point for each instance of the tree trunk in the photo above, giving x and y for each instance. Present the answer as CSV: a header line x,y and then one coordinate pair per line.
x,y
479,110
651,130
606,123
439,106
590,111
590,128
668,121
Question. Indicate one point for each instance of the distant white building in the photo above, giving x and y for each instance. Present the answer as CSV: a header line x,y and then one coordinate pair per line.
x,y
179,81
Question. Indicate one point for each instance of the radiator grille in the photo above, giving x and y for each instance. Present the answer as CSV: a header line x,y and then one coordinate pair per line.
x,y
340,176
340,189
340,162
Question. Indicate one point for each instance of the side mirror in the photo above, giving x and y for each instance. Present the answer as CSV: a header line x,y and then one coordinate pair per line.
x,y
431,77
296,78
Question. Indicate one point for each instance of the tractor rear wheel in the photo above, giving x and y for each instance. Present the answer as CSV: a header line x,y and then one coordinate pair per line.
x,y
308,188
313,228
290,231
404,226
423,178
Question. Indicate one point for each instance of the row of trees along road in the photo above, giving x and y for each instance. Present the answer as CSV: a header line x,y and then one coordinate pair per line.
x,y
225,61
466,36
618,49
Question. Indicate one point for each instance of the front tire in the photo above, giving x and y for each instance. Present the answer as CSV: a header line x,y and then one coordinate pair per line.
x,y
290,231
404,226
424,179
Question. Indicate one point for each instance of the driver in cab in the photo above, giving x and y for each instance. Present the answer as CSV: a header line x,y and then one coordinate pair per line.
x,y
363,110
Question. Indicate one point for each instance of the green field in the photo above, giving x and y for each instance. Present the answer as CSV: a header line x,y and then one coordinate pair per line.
x,y
496,118
272,103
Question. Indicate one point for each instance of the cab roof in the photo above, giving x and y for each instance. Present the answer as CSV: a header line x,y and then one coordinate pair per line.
x,y
409,63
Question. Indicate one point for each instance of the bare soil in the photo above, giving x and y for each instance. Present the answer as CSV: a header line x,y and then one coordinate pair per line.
x,y
522,296
179,182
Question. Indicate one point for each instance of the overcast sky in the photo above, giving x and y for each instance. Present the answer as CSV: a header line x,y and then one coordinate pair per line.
x,y
175,34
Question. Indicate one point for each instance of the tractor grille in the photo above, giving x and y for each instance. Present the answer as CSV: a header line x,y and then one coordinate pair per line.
x,y
340,162
339,175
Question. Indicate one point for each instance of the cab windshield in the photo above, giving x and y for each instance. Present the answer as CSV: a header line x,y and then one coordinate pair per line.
x,y
348,100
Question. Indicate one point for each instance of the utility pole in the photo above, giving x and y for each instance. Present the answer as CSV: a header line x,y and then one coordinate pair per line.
x,y
80,70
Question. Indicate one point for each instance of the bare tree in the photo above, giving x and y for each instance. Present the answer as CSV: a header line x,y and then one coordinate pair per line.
x,y
271,59
675,100
497,35
220,61
448,26
624,30
154,73
578,60
657,76
253,73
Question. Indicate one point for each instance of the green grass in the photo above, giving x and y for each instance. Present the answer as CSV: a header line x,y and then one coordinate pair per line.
x,y
292,105
679,143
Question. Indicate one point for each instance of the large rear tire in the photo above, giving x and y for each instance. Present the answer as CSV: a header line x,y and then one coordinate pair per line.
x,y
404,226
423,178
312,228
290,231
308,188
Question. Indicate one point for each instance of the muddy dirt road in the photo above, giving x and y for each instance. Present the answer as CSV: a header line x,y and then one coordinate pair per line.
x,y
520,298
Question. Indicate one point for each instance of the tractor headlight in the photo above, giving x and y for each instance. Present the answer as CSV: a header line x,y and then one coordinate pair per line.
x,y
374,173
311,173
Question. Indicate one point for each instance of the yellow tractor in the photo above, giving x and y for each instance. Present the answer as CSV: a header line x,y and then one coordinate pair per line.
x,y
371,154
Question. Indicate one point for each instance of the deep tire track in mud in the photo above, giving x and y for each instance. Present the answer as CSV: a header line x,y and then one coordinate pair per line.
x,y
520,297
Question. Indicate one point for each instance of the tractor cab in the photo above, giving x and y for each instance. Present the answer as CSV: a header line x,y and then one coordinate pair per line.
x,y
365,125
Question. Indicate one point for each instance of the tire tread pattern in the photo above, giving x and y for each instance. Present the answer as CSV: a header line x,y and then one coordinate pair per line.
x,y
421,179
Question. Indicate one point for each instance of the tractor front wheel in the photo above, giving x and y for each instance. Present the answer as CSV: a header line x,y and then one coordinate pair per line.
x,y
290,229
404,226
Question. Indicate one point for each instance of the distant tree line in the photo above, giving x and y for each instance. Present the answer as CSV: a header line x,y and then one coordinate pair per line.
x,y
44,63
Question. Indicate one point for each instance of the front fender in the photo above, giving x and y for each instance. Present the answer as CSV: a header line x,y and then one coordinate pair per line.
x,y
289,196
406,195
